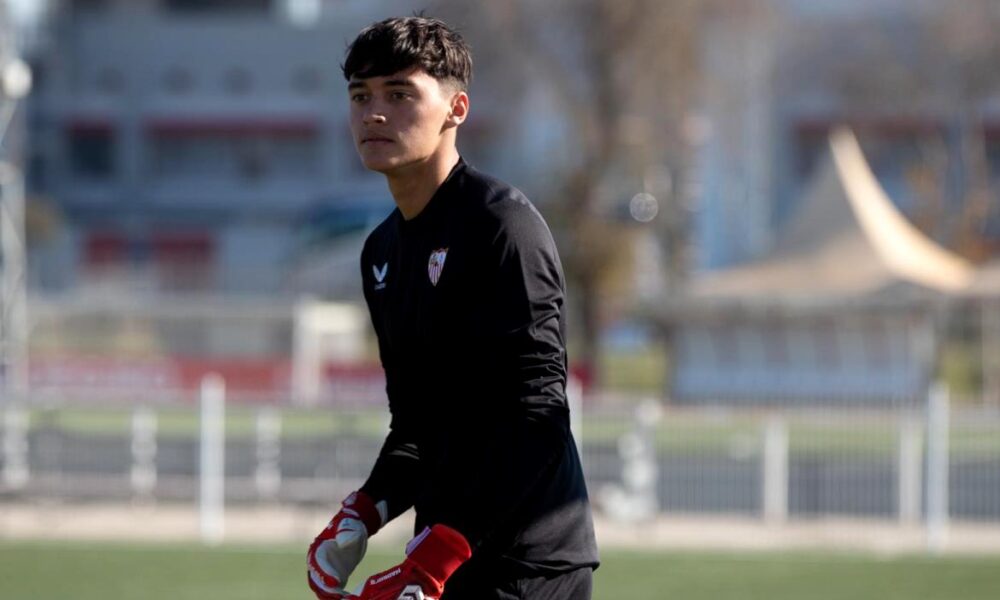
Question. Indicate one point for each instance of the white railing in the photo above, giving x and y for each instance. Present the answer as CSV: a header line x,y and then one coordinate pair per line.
x,y
642,460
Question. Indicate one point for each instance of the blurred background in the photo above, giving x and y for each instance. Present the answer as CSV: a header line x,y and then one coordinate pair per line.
x,y
779,221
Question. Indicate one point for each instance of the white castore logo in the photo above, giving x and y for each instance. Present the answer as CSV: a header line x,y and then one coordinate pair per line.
x,y
380,275
388,575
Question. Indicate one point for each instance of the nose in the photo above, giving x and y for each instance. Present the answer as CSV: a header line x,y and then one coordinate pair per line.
x,y
373,116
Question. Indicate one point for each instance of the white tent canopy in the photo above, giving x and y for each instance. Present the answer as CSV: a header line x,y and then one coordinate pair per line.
x,y
847,240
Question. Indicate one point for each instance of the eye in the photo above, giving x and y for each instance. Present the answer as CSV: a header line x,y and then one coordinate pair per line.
x,y
399,95
359,97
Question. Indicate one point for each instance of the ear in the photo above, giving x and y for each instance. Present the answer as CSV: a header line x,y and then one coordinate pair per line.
x,y
459,109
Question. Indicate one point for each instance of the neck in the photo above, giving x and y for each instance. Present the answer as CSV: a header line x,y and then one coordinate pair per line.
x,y
413,186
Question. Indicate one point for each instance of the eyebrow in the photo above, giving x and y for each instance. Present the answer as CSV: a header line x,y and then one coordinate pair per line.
x,y
353,85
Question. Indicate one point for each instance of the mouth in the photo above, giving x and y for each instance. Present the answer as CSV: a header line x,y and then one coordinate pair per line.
x,y
375,139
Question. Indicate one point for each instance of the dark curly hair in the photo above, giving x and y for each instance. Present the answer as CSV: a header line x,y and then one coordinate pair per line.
x,y
399,43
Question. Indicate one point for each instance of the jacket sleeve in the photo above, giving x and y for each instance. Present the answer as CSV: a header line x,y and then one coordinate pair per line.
x,y
394,477
489,490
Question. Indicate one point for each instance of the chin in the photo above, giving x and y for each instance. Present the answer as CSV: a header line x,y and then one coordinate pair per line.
x,y
383,164
379,165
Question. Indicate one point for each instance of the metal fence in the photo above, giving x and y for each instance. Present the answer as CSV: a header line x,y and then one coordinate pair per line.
x,y
641,459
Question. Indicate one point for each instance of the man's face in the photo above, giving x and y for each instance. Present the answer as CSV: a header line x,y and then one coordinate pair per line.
x,y
400,119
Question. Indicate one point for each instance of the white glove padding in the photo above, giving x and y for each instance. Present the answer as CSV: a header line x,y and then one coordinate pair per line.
x,y
336,552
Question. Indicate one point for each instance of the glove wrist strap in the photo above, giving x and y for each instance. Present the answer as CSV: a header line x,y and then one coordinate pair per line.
x,y
368,513
440,552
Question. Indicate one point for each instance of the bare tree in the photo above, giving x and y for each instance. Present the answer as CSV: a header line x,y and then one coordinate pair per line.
x,y
967,58
623,78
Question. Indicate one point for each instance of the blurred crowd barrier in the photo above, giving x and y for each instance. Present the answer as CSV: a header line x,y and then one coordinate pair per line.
x,y
643,459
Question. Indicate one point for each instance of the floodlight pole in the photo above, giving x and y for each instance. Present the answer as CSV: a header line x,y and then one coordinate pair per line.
x,y
15,82
13,298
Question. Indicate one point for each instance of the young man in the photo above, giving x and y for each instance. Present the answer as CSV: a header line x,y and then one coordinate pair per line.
x,y
465,291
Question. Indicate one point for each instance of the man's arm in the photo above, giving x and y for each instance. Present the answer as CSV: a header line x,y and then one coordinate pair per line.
x,y
394,477
488,488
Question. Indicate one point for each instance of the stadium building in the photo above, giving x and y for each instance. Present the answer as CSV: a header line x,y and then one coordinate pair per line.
x,y
191,175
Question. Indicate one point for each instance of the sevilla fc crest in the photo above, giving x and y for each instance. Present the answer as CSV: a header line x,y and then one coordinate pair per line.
x,y
436,264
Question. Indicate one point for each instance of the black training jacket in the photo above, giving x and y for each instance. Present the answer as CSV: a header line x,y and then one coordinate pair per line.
x,y
467,301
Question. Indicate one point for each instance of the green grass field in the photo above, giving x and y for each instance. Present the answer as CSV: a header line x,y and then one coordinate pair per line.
x,y
76,571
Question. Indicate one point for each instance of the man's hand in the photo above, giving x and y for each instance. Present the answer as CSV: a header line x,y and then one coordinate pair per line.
x,y
336,552
431,558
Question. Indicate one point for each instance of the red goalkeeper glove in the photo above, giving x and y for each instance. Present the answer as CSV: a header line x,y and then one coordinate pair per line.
x,y
336,552
431,558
